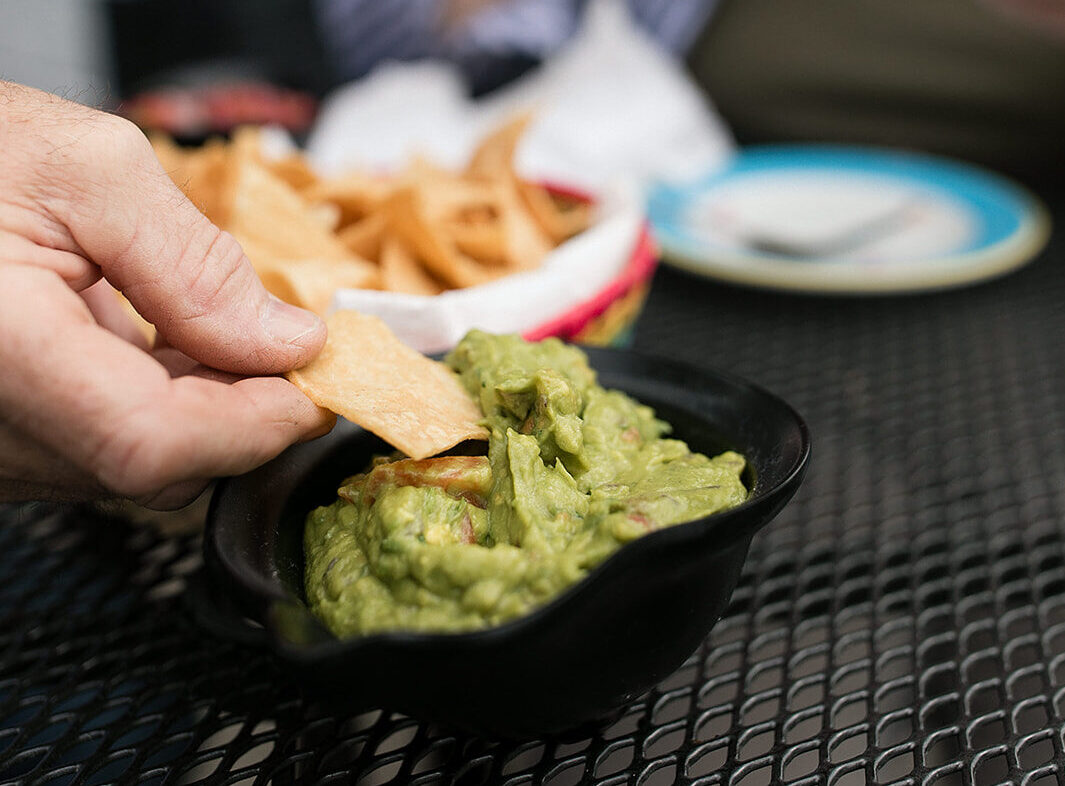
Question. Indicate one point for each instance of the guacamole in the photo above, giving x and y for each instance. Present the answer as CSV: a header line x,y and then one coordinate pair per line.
x,y
458,542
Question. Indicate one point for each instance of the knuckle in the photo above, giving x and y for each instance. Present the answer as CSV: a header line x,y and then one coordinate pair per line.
x,y
81,162
217,276
122,137
63,141
114,153
221,285
103,143
223,253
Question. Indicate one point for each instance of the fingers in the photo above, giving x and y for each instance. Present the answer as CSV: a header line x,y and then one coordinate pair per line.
x,y
202,428
190,279
109,313
178,364
24,462
99,175
75,269
110,409
84,411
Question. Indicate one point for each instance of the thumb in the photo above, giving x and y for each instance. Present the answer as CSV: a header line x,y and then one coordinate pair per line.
x,y
181,272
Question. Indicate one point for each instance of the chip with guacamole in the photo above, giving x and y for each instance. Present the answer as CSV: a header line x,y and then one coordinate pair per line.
x,y
459,542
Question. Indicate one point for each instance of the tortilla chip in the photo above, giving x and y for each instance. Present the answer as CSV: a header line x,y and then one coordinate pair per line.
x,y
494,156
356,194
265,212
370,377
170,155
443,229
364,236
294,170
525,243
311,283
439,254
200,175
246,142
328,215
457,199
483,241
560,219
260,254
400,271
423,171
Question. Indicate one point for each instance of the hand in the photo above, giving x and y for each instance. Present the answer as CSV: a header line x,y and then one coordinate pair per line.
x,y
86,408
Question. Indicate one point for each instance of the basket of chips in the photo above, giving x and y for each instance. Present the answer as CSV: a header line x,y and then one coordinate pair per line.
x,y
431,251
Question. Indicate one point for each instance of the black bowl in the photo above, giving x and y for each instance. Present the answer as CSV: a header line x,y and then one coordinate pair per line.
x,y
626,626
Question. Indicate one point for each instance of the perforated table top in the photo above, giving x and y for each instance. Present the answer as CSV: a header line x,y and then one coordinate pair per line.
x,y
903,620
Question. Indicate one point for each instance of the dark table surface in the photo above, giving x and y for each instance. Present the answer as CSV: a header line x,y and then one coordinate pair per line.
x,y
902,620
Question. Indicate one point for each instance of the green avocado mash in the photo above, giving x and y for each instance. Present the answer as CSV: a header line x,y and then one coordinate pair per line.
x,y
459,542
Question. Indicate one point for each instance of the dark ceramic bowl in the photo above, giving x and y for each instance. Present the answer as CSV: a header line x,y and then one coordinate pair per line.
x,y
626,626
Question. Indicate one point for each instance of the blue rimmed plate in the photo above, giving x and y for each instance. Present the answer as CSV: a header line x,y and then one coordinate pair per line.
x,y
847,220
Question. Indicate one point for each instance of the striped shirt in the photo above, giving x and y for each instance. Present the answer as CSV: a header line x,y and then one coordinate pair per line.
x,y
361,33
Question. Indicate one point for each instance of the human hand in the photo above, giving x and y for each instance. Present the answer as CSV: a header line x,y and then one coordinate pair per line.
x,y
87,409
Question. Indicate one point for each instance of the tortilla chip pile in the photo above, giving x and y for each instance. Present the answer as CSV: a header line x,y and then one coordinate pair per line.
x,y
422,231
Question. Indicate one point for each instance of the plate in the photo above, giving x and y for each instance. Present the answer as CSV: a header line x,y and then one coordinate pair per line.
x,y
847,220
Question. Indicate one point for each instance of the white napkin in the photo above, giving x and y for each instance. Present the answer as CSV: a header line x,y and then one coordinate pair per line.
x,y
613,104
609,104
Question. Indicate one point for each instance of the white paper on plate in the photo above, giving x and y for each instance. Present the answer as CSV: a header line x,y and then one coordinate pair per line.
x,y
570,275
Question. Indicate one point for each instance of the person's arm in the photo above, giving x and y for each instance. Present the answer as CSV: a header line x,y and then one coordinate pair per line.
x,y
86,410
360,34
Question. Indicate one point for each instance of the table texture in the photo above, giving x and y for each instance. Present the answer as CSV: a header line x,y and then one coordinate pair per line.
x,y
902,621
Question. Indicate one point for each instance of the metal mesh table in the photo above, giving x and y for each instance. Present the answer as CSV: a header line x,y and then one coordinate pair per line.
x,y
902,621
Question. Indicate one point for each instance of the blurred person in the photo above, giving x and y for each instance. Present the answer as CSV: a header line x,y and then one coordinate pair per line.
x,y
978,79
87,408
197,67
492,41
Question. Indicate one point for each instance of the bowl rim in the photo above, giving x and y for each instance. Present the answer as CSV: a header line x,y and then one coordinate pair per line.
x,y
273,595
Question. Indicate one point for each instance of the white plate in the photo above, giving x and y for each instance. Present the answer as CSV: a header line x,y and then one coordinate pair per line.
x,y
847,220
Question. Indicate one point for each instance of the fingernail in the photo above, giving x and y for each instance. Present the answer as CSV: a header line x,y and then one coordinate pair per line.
x,y
328,421
288,323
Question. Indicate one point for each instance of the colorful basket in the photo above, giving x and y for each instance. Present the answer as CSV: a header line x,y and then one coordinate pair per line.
x,y
608,318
